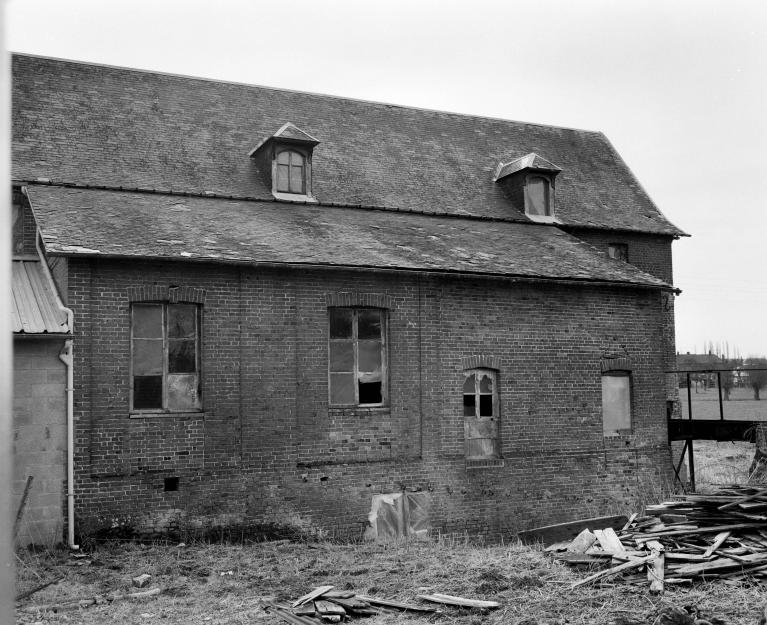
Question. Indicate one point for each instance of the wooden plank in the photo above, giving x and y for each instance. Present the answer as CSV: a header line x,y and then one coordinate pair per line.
x,y
719,565
655,569
626,566
629,522
317,592
700,530
459,601
718,542
734,504
325,608
609,540
395,604
581,542
567,531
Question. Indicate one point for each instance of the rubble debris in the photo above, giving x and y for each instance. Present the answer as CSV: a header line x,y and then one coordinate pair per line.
x,y
697,536
317,592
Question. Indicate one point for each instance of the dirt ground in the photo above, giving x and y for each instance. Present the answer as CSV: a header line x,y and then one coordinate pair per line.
x,y
211,584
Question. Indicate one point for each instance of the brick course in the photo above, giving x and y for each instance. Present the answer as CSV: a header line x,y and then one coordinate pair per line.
x,y
267,447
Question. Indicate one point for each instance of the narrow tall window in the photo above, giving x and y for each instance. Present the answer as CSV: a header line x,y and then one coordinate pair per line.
x,y
537,197
616,402
165,357
291,172
480,411
357,362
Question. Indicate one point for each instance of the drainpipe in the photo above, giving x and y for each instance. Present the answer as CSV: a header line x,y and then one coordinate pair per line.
x,y
67,357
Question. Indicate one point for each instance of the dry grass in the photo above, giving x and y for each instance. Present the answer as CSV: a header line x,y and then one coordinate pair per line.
x,y
199,588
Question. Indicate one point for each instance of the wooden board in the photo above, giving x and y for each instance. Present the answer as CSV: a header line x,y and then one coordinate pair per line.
x,y
459,601
550,534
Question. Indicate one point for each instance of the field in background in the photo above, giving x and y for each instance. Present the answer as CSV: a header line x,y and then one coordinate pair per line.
x,y
741,406
213,584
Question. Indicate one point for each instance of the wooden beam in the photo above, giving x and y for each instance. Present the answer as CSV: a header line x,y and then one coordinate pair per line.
x,y
550,534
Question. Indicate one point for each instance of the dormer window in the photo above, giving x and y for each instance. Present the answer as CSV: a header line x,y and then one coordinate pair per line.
x,y
528,183
537,196
291,172
284,161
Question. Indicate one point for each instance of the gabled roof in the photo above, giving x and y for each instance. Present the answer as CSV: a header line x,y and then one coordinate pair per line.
x,y
104,223
529,161
288,132
96,125
36,308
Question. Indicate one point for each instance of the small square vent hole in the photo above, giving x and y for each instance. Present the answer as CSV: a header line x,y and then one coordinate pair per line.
x,y
171,483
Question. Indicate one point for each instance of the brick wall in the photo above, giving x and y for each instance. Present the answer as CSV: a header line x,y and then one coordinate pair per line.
x,y
267,447
40,438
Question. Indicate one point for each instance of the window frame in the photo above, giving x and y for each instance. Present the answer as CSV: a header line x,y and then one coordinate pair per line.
x,y
476,372
548,199
613,248
165,409
623,374
290,149
384,403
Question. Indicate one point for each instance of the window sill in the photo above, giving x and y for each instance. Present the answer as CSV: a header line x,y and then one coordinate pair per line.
x,y
543,219
484,463
358,410
618,433
145,414
294,197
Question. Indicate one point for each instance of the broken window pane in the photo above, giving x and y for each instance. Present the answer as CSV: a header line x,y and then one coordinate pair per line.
x,y
486,384
182,356
341,323
369,324
468,405
147,392
485,405
370,392
147,321
469,385
183,393
369,355
341,356
342,388
182,321
147,356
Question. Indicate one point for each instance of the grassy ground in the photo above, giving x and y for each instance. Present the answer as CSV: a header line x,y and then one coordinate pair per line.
x,y
741,406
210,584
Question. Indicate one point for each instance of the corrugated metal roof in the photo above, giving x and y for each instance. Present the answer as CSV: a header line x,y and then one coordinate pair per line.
x,y
36,307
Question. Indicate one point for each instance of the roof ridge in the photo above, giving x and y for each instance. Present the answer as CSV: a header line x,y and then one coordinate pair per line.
x,y
309,93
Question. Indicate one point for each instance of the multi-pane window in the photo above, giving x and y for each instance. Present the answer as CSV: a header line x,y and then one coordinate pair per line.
x,y
537,196
616,401
357,363
291,172
165,357
480,412
618,251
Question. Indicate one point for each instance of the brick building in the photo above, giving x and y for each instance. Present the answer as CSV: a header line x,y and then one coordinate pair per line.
x,y
333,314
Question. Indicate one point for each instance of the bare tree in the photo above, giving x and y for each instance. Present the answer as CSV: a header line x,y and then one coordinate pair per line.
x,y
727,378
757,380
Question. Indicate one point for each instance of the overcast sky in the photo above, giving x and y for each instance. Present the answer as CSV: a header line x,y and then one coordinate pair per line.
x,y
678,87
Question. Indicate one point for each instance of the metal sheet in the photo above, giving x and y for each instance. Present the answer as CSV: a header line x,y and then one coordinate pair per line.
x,y
36,308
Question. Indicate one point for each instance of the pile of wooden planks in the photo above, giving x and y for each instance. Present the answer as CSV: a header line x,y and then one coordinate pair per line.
x,y
722,535
334,606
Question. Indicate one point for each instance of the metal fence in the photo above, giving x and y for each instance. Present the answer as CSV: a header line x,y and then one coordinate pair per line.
x,y
725,394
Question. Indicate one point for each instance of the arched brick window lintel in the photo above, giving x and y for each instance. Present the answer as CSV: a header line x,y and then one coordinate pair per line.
x,y
353,298
173,294
622,363
481,361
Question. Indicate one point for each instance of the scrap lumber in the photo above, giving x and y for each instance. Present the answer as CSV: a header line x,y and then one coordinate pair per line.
x,y
388,603
656,572
737,502
567,531
328,608
719,540
626,566
314,594
459,601
289,617
582,542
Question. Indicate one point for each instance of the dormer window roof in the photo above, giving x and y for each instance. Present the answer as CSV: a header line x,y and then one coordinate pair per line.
x,y
529,183
285,161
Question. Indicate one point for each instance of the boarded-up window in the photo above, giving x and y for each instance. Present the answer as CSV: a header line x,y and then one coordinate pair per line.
x,y
165,357
480,411
398,515
537,196
616,402
357,357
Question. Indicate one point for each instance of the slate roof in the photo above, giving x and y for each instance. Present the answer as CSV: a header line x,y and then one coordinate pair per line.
x,y
97,125
35,308
529,161
93,222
